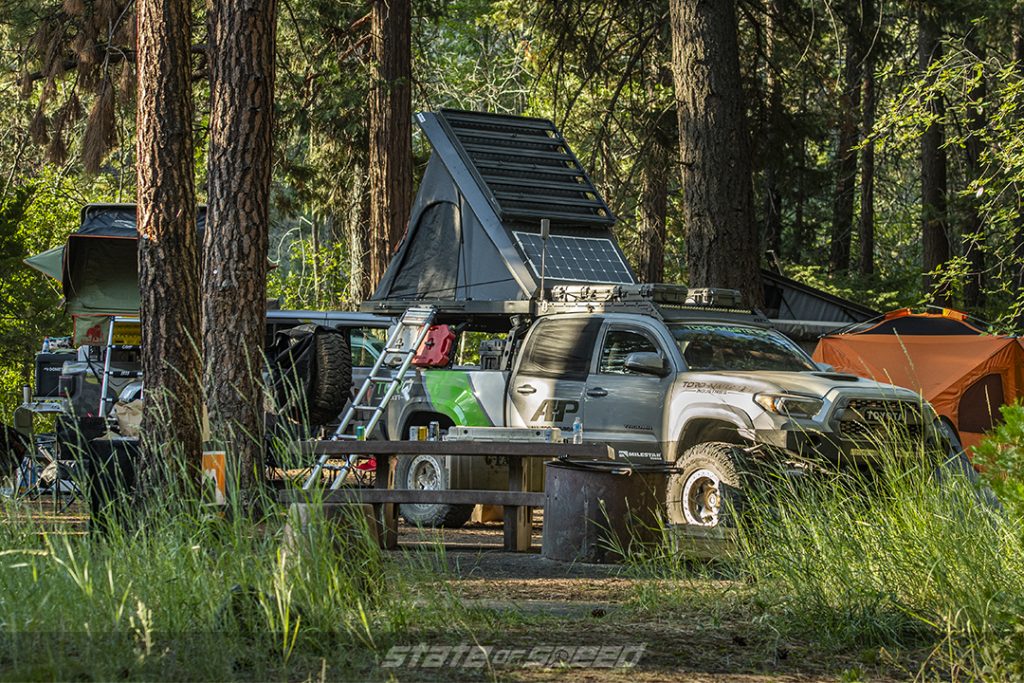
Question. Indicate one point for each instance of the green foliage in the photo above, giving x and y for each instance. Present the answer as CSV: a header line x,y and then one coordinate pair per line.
x,y
873,291
906,558
1001,454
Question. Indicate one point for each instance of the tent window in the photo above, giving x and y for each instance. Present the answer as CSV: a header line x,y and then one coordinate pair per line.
x,y
979,405
431,264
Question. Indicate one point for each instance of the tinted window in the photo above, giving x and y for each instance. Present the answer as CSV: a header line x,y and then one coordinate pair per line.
x,y
617,345
561,348
713,346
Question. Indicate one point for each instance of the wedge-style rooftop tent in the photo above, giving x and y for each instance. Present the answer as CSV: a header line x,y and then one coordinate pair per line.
x,y
965,373
474,229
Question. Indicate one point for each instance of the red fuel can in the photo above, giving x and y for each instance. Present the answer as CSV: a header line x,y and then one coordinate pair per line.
x,y
436,349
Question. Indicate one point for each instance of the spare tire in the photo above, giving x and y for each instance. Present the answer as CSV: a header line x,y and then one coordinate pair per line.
x,y
311,373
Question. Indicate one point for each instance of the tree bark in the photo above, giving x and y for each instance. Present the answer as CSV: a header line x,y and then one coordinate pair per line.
x,y
866,224
168,246
846,149
653,211
772,123
934,240
390,131
236,243
721,237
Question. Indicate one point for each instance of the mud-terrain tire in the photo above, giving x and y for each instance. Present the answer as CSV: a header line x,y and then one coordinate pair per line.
x,y
428,472
311,374
332,383
706,489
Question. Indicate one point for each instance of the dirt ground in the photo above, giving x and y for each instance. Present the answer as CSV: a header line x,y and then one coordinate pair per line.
x,y
688,630
693,630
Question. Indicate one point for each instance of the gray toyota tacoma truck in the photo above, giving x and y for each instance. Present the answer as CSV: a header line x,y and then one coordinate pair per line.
x,y
660,373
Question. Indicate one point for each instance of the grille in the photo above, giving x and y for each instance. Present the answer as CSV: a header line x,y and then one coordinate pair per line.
x,y
866,419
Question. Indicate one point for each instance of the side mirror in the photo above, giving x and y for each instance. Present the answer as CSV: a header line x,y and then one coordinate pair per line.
x,y
647,363
825,367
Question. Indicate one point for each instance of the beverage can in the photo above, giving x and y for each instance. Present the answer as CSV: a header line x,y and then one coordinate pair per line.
x,y
422,433
414,433
434,431
360,433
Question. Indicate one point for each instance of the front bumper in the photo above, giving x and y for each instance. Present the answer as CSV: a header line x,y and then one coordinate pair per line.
x,y
833,449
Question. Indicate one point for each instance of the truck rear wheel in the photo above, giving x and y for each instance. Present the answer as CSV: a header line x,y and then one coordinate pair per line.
x,y
429,472
706,488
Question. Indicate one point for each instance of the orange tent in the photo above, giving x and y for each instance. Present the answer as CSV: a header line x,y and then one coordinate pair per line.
x,y
963,372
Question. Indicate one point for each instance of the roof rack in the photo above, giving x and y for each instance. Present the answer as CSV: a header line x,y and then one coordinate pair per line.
x,y
660,293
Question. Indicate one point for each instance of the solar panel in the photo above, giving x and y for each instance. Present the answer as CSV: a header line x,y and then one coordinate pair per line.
x,y
575,259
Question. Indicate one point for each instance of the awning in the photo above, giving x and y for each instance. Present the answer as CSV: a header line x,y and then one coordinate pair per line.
x,y
50,262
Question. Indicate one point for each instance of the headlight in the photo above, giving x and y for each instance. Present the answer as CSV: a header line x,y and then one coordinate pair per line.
x,y
789,404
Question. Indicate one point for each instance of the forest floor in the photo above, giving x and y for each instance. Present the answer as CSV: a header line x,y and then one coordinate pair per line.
x,y
529,619
695,629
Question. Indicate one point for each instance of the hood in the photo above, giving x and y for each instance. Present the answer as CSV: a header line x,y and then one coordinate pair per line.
x,y
811,383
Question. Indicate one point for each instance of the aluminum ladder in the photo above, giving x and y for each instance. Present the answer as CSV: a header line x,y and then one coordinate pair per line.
x,y
108,371
418,318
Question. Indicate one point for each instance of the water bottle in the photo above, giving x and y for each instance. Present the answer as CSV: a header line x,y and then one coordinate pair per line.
x,y
577,430
46,345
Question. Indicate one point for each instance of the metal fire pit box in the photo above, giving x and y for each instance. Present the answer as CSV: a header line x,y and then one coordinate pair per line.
x,y
595,511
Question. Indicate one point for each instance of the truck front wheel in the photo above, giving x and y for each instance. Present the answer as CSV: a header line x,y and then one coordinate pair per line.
x,y
429,472
706,490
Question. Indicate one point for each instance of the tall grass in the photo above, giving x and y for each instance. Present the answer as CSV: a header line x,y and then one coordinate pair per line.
x,y
903,556
181,590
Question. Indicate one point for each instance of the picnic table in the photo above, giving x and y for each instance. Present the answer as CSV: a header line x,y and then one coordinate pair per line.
x,y
517,501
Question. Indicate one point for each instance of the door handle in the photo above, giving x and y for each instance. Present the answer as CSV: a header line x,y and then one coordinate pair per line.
x,y
526,389
597,391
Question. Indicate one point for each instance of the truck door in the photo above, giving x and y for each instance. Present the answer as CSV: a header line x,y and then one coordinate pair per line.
x,y
546,389
625,408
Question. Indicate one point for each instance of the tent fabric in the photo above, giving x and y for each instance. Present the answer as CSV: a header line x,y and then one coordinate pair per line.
x,y
120,220
943,368
101,275
49,262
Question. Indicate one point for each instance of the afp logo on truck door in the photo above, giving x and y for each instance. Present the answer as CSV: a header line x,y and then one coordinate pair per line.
x,y
555,410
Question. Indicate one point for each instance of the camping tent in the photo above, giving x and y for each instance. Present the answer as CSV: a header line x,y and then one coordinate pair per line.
x,y
963,372
98,267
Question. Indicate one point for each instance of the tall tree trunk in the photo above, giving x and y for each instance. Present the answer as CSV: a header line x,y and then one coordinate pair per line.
x,y
652,214
168,246
846,149
934,241
721,238
236,243
390,131
358,239
773,157
971,236
866,226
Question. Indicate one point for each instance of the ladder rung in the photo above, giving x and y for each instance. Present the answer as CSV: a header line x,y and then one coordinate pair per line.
x,y
398,350
379,378
362,407
123,347
125,373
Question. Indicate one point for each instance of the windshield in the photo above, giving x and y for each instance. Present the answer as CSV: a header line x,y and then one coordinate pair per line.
x,y
713,346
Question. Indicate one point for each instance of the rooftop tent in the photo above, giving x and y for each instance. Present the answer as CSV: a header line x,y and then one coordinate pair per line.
x,y
965,373
101,272
474,229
